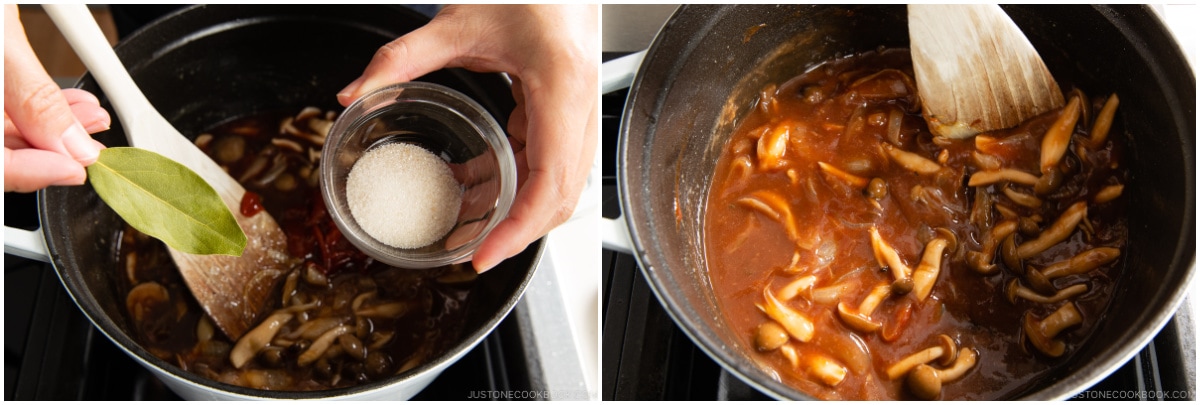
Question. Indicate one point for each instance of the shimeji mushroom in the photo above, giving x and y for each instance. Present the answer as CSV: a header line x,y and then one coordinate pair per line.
x,y
926,382
1054,143
931,263
774,206
769,336
771,147
794,322
1041,333
1084,262
1057,232
1103,122
257,338
946,352
982,261
794,288
1015,290
985,177
1022,199
840,175
860,320
887,257
826,370
911,161
1108,193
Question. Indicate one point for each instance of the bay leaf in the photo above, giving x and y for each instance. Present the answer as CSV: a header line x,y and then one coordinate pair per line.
x,y
164,199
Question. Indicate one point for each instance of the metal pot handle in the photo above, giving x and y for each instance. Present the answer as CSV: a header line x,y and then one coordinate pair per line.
x,y
618,74
27,244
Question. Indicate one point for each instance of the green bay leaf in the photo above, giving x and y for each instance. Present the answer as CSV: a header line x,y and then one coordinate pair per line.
x,y
166,200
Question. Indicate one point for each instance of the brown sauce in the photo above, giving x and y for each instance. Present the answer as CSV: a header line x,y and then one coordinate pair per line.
x,y
396,319
842,113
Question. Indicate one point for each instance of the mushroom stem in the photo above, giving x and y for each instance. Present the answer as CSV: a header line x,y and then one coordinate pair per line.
x,y
911,161
792,289
1103,122
322,344
985,177
1082,263
1054,143
1042,280
835,173
860,320
1041,333
1023,199
826,370
795,323
1015,290
257,338
775,207
1108,193
927,272
926,382
1057,232
982,261
887,256
946,351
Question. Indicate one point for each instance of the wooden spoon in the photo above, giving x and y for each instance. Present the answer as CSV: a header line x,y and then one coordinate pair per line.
x,y
975,70
232,290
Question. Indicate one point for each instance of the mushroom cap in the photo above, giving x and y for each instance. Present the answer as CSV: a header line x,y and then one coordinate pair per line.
x,y
951,239
1038,281
1011,290
949,350
924,382
1037,336
1008,253
770,336
980,263
902,286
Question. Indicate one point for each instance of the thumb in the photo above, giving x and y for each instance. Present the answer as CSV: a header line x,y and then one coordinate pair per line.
x,y
424,50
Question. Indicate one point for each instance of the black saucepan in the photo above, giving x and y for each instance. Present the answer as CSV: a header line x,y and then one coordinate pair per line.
x,y
706,65
206,65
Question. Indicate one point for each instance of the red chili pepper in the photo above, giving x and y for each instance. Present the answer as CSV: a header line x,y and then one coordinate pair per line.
x,y
251,204
321,245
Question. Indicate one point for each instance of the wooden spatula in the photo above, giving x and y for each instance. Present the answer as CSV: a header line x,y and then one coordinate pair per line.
x,y
975,70
233,290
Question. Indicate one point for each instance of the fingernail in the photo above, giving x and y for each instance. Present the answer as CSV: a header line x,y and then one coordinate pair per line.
x,y
483,266
81,146
76,179
344,95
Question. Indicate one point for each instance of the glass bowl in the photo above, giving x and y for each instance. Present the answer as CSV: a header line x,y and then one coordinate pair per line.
x,y
442,121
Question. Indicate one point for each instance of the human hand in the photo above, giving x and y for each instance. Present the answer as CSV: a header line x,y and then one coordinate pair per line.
x,y
46,129
552,55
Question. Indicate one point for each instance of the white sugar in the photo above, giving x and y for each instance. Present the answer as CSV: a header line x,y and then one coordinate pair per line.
x,y
403,195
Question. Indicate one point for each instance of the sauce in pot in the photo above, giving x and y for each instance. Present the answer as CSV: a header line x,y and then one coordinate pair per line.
x,y
340,319
842,238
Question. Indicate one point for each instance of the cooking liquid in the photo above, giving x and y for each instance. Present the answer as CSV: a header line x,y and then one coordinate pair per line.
x,y
435,300
841,120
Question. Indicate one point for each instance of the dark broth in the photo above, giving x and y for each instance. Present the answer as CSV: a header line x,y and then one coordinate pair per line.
x,y
839,113
394,319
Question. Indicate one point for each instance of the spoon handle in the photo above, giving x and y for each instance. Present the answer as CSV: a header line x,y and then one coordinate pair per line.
x,y
81,31
144,126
